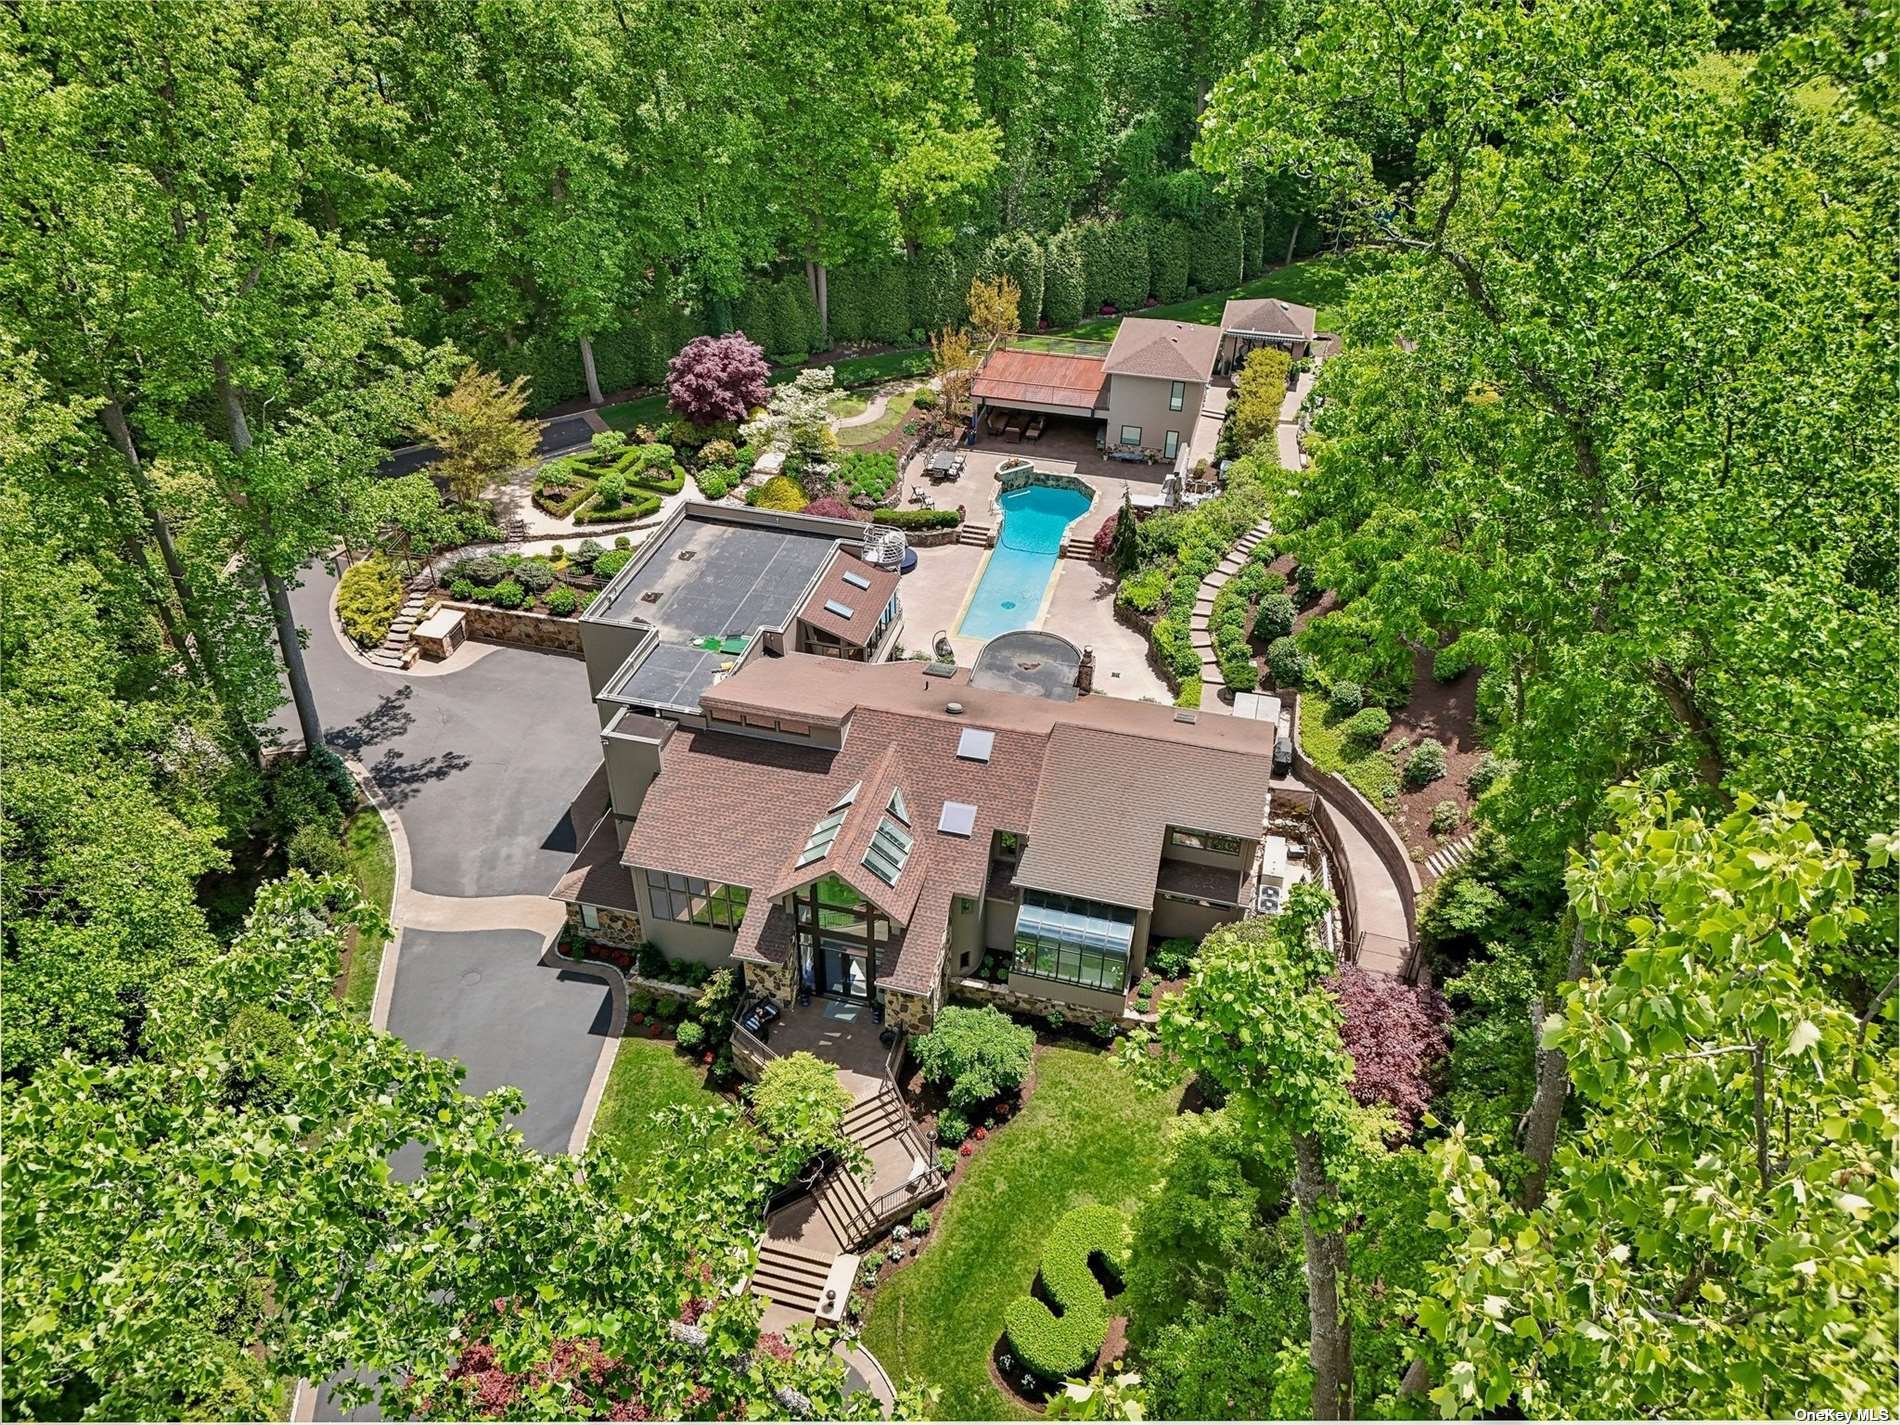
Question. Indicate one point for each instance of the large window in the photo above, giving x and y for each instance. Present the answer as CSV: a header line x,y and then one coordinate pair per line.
x,y
687,898
1131,435
1171,444
1177,395
1074,941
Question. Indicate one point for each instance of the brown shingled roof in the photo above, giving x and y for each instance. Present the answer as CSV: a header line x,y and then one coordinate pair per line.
x,y
1269,316
1039,378
865,604
1168,351
1107,800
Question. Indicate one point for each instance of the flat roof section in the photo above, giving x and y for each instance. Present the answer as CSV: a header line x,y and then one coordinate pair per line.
x,y
1040,378
670,675
709,579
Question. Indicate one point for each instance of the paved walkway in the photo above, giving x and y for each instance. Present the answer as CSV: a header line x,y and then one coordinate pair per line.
x,y
1199,636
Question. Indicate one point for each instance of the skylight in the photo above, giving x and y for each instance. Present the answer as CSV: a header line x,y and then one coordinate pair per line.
x,y
889,850
896,806
818,844
857,581
975,744
848,798
832,606
958,819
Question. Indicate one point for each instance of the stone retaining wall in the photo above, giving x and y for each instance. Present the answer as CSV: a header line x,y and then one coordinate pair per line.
x,y
519,628
982,992
1008,479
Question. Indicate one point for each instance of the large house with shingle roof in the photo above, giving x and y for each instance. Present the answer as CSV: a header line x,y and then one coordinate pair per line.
x,y
875,831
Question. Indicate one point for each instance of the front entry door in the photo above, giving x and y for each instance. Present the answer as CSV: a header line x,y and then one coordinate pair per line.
x,y
847,969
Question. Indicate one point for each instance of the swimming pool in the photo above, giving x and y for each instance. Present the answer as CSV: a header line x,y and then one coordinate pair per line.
x,y
1009,595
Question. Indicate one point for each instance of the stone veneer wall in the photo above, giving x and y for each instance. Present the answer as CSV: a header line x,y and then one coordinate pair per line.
x,y
519,627
982,992
774,980
914,1014
1014,479
617,927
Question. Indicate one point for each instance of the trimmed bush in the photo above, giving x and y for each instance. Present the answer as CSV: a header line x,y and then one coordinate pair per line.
x,y
1274,618
1366,728
562,601
636,505
979,1054
585,553
1445,817
714,481
1485,775
1190,694
781,492
690,1035
1057,1347
533,575
611,563
1426,764
1144,591
1174,648
832,508
315,849
920,1222
508,594
1018,256
868,474
952,1128
1228,625
919,519
1253,243
1345,697
368,598
1116,258
1286,663
946,1161
1216,252
924,399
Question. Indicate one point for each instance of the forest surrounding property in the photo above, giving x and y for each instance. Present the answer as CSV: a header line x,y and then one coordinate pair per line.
x,y
1608,445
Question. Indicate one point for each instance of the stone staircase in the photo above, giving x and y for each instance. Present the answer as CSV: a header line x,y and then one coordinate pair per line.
x,y
977,534
1449,857
395,651
1083,549
1199,636
790,1277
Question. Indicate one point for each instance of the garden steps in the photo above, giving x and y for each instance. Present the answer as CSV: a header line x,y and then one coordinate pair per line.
x,y
1449,857
1078,549
790,1278
977,534
1200,637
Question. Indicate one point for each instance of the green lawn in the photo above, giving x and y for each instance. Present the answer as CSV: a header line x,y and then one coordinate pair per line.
x,y
648,1075
372,861
871,432
1319,282
1088,1134
846,404
1321,739
647,411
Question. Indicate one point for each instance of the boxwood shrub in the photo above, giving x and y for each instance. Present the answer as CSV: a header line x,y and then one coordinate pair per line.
x,y
1057,1347
1426,764
634,505
562,600
611,563
1366,728
919,519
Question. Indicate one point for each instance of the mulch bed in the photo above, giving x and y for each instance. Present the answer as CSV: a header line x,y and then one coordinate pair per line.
x,y
1448,713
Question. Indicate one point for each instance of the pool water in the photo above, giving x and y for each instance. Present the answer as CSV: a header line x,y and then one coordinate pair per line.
x,y
1009,595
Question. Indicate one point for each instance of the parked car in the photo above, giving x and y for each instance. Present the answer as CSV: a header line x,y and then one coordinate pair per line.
x,y
1283,756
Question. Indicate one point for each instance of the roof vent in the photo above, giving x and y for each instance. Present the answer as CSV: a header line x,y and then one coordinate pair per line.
x,y
685,556
1187,715
975,744
954,709
651,596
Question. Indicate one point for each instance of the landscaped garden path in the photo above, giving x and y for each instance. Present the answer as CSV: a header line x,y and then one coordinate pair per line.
x,y
1088,1133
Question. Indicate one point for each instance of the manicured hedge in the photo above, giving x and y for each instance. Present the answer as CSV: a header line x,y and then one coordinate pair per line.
x,y
561,488
634,505
1062,295
919,519
1228,625
1117,256
1057,1347
1215,252
781,492
1168,262
1253,242
1020,257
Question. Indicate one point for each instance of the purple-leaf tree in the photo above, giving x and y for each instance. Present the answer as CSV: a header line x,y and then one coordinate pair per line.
x,y
1396,1034
717,378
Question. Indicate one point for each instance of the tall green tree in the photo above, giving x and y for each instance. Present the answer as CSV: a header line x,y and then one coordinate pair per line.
x,y
1719,1232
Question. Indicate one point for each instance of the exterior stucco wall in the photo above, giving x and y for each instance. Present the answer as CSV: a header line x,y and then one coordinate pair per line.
x,y
999,924
1141,401
1177,919
966,933
679,939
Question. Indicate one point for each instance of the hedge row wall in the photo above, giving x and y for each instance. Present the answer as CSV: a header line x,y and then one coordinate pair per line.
x,y
1065,277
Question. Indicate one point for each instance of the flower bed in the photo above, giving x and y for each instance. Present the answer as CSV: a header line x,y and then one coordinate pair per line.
x,y
559,586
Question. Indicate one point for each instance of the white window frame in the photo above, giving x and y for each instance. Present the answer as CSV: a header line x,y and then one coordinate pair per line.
x,y
590,917
1125,441
1177,395
1171,444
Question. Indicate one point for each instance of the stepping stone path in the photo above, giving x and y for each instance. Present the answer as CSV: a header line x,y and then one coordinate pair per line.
x,y
1199,637
394,651
1448,857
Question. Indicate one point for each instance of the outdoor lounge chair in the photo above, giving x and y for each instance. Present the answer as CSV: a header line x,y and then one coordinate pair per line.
x,y
1034,429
